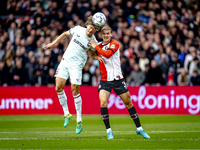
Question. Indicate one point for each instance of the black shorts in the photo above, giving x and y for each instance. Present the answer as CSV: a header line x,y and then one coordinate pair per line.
x,y
118,86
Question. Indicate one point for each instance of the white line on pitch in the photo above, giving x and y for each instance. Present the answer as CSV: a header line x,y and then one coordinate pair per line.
x,y
61,132
98,139
95,149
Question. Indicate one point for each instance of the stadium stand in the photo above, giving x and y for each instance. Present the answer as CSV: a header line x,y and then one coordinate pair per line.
x,y
158,38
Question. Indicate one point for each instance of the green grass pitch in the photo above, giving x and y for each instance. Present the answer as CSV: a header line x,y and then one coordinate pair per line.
x,y
47,132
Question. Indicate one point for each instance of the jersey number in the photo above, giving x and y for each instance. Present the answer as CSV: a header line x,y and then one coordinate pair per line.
x,y
124,85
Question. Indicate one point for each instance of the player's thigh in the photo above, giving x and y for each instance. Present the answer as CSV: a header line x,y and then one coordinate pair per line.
x,y
126,98
104,96
62,71
104,90
60,84
75,76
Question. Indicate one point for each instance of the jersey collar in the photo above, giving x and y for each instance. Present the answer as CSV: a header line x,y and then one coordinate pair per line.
x,y
106,43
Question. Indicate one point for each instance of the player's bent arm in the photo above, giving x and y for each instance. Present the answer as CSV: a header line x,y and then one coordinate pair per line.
x,y
94,55
104,53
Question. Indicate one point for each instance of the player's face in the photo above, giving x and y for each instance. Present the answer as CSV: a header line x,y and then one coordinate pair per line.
x,y
106,35
90,30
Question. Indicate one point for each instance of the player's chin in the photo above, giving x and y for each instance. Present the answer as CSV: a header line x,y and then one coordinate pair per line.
x,y
89,34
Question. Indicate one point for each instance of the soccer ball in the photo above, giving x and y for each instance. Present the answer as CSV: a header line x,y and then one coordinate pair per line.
x,y
99,19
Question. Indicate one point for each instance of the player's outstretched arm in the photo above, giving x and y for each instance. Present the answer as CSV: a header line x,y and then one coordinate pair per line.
x,y
57,40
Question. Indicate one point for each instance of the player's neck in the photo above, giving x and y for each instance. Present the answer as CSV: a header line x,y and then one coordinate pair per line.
x,y
106,42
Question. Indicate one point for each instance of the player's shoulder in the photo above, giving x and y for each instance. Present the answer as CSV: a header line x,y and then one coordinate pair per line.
x,y
81,27
78,27
114,42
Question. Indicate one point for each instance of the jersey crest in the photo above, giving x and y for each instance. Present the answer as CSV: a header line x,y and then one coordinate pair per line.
x,y
88,44
106,47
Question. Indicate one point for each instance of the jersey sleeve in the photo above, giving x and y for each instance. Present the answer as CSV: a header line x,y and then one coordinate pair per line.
x,y
73,30
110,51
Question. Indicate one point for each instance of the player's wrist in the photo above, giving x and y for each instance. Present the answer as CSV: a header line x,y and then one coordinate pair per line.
x,y
96,46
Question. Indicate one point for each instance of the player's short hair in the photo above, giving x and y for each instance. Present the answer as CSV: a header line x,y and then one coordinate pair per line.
x,y
195,71
90,22
106,28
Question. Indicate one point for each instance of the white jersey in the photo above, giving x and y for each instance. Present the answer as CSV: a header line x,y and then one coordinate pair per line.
x,y
75,55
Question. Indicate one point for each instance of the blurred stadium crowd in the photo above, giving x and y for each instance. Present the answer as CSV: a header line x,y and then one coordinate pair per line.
x,y
159,40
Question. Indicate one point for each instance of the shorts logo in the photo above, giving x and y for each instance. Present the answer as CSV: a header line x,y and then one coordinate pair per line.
x,y
77,79
112,46
99,86
56,72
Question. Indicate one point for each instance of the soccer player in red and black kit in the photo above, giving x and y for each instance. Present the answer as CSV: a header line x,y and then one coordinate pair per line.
x,y
112,78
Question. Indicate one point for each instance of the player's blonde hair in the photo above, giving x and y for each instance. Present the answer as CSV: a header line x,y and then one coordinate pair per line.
x,y
106,28
90,22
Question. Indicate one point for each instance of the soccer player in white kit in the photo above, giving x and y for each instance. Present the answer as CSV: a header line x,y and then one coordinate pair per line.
x,y
112,78
71,66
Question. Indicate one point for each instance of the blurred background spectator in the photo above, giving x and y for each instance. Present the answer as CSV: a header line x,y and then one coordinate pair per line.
x,y
195,79
154,75
159,40
136,77
183,78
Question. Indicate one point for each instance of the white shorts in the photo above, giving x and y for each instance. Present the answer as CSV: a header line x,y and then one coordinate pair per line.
x,y
66,72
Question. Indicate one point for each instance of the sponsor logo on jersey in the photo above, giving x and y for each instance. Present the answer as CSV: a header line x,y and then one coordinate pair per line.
x,y
88,44
80,44
112,46
78,35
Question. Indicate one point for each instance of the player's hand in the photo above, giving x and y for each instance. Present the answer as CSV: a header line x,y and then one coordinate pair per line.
x,y
101,60
93,43
89,52
48,46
